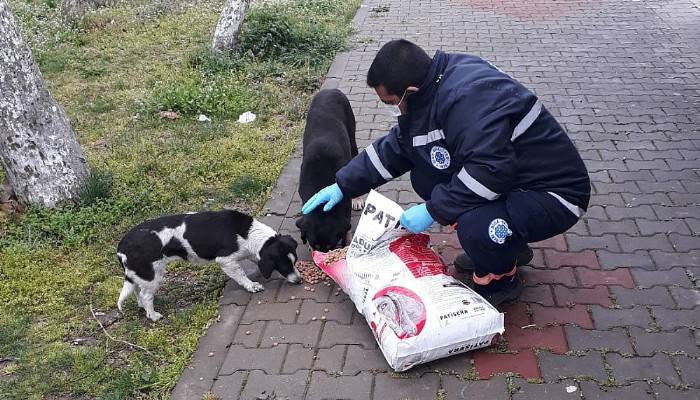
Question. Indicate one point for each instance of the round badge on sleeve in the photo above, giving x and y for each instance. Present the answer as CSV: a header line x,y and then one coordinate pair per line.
x,y
440,157
498,231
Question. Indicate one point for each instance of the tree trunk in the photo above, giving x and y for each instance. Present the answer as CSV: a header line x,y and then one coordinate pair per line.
x,y
229,26
38,149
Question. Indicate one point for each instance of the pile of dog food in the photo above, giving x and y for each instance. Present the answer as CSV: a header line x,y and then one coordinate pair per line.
x,y
312,274
335,255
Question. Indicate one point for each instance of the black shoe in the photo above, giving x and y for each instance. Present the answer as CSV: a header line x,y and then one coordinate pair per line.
x,y
502,291
465,265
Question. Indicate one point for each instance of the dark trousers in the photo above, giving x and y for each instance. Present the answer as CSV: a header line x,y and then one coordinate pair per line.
x,y
493,234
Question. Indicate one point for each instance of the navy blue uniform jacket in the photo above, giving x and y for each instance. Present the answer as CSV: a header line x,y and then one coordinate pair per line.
x,y
471,134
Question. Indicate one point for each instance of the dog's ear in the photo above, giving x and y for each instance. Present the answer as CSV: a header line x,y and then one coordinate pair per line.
x,y
266,266
301,224
289,241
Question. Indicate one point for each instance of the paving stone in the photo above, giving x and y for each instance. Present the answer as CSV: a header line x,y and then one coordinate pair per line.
x,y
585,339
605,318
304,334
565,390
603,242
636,390
556,242
323,386
577,315
540,294
282,387
554,366
568,296
652,227
563,276
652,242
672,319
664,392
249,335
590,277
689,369
240,358
556,259
494,388
648,343
418,388
356,333
339,312
627,369
359,359
516,314
330,360
234,294
656,296
460,364
685,298
665,260
298,358
524,363
284,312
549,337
638,259
320,294
674,276
227,386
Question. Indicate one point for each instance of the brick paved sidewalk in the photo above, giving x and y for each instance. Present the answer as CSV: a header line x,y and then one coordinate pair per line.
x,y
611,310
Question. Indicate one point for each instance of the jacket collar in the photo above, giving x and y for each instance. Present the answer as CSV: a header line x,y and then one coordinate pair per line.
x,y
427,89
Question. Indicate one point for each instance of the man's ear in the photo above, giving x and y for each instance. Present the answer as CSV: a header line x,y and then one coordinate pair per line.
x,y
266,266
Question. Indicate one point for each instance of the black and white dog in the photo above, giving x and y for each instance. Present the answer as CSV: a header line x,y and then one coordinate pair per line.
x,y
328,145
225,237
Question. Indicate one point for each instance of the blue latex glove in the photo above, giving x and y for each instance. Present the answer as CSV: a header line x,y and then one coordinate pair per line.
x,y
416,219
331,195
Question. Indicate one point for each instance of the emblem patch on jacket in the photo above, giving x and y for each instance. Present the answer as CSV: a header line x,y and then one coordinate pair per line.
x,y
440,157
498,231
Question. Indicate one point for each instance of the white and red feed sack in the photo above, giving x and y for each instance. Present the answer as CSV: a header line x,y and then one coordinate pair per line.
x,y
416,312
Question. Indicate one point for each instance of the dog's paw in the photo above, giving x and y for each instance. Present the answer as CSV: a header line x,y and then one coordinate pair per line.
x,y
154,316
358,204
255,287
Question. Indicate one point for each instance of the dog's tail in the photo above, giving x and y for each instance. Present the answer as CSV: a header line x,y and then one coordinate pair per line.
x,y
129,285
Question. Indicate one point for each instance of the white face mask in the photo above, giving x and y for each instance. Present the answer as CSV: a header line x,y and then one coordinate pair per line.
x,y
393,109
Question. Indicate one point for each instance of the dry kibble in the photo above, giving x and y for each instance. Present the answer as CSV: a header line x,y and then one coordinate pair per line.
x,y
247,332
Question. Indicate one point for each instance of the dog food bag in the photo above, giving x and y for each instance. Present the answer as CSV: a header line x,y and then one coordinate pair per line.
x,y
416,312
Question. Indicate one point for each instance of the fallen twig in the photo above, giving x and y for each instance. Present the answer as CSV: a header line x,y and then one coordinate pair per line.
x,y
132,345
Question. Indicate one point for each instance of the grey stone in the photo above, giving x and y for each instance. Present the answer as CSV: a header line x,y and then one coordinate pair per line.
x,y
627,369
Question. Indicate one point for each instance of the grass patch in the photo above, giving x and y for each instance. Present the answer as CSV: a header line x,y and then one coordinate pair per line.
x,y
113,71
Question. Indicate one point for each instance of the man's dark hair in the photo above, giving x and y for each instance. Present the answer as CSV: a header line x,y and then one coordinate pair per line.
x,y
398,65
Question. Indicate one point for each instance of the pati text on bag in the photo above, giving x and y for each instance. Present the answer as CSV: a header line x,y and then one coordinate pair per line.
x,y
416,312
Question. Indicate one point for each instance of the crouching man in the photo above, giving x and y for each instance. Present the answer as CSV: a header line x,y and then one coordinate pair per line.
x,y
484,154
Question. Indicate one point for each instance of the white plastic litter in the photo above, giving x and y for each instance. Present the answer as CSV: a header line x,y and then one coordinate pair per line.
x,y
203,118
246,117
416,312
571,389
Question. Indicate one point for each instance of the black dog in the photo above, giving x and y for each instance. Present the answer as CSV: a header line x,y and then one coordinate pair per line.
x,y
329,144
224,237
